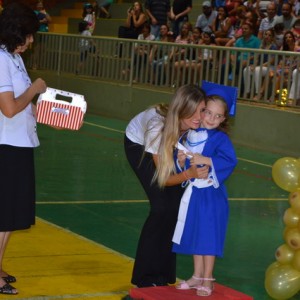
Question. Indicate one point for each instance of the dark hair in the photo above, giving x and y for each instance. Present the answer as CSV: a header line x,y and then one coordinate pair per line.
x,y
17,21
285,46
82,26
86,6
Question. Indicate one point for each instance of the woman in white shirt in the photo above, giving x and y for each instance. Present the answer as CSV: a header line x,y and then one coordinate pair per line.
x,y
155,264
18,134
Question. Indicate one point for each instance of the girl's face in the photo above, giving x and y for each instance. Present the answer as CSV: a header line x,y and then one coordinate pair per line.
x,y
268,36
194,121
185,29
213,115
289,39
136,6
21,49
196,34
221,12
163,30
206,38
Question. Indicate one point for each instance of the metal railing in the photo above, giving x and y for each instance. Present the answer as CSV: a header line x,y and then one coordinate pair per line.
x,y
169,65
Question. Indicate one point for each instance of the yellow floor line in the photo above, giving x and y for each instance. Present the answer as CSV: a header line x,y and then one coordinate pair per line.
x,y
53,263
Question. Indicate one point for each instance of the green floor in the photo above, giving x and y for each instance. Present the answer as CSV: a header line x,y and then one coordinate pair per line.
x,y
85,184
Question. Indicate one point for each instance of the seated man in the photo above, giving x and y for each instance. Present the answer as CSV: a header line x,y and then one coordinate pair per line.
x,y
207,18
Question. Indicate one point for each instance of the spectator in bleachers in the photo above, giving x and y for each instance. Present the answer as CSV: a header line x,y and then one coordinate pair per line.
x,y
294,93
85,45
141,51
135,21
88,15
253,18
206,19
158,12
287,64
296,31
241,19
180,54
269,21
191,62
261,67
287,17
222,27
159,55
205,56
43,17
296,8
279,33
180,14
44,20
239,60
232,6
102,7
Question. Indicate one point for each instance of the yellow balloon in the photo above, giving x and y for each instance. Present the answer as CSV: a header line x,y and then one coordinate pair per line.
x,y
292,238
286,173
284,254
294,200
296,261
282,282
291,218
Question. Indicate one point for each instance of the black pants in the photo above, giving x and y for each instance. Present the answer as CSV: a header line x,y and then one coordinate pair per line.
x,y
154,261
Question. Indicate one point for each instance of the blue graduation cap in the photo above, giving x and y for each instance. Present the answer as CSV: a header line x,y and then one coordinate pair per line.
x,y
87,5
229,93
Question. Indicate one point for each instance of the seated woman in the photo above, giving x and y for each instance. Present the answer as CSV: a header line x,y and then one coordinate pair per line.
x,y
159,56
136,18
135,21
222,27
179,55
287,64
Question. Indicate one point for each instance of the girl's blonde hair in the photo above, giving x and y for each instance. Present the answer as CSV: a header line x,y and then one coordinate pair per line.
x,y
183,105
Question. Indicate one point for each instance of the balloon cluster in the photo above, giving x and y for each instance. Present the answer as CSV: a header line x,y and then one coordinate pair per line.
x,y
282,99
282,280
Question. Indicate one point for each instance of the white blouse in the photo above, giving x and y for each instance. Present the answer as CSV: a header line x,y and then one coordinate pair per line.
x,y
20,130
145,129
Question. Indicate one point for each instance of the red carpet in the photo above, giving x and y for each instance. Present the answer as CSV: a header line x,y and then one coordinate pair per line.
x,y
220,292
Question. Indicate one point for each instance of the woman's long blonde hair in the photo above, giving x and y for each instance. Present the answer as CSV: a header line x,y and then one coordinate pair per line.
x,y
183,105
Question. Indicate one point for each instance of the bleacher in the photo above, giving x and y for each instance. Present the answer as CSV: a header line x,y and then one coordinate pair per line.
x,y
69,17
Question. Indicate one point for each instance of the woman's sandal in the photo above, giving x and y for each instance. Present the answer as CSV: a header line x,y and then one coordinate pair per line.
x,y
8,289
183,285
9,278
205,291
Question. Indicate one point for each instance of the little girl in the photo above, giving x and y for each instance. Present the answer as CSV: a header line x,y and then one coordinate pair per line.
x,y
88,15
203,214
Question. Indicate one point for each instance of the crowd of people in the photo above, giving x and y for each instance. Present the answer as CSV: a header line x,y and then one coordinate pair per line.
x,y
266,25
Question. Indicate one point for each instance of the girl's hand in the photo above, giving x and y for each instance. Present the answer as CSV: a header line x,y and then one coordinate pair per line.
x,y
197,159
181,156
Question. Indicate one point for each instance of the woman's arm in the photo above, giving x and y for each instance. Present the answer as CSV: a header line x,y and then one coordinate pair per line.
x,y
137,22
192,172
10,106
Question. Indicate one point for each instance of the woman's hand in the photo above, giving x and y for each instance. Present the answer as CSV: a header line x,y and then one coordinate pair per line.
x,y
39,86
196,172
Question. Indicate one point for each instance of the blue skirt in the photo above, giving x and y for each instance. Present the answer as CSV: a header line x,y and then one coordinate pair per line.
x,y
206,223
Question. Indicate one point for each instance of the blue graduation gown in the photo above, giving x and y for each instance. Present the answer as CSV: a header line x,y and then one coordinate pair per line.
x,y
207,215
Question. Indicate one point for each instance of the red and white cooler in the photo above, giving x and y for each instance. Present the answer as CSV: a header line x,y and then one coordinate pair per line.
x,y
60,113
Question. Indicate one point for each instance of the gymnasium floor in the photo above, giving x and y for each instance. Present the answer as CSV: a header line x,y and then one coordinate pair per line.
x,y
90,210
